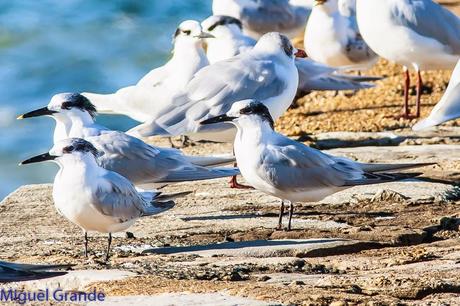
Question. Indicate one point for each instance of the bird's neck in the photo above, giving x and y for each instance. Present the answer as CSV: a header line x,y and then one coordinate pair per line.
x,y
188,51
62,130
188,58
253,130
79,123
81,167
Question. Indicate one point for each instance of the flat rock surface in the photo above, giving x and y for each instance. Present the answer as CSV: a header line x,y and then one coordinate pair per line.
x,y
183,299
391,243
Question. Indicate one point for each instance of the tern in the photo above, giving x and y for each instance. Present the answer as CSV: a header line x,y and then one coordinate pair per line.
x,y
139,162
157,89
263,16
418,34
229,41
332,36
289,170
93,198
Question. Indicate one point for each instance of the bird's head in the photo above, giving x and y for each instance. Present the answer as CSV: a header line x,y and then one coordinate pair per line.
x,y
67,149
277,43
190,31
243,112
63,106
220,25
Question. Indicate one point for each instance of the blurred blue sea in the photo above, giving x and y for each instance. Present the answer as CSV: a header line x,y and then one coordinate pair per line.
x,y
52,46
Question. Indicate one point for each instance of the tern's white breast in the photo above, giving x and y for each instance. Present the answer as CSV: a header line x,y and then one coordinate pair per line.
x,y
73,198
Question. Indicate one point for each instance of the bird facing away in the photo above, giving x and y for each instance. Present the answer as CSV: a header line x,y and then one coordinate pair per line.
x,y
16,272
229,41
263,16
158,88
448,108
289,170
332,36
134,159
418,34
93,198
266,72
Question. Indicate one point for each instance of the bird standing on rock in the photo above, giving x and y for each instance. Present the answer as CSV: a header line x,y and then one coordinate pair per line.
x,y
131,157
418,34
292,171
95,199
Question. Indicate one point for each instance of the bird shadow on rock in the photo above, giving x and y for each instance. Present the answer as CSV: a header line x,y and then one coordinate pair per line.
x,y
237,245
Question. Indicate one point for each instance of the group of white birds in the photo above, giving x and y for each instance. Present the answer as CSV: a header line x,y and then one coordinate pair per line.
x,y
233,90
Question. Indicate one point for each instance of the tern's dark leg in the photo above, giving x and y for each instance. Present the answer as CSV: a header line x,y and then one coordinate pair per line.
x,y
109,240
280,218
406,93
291,211
86,244
419,93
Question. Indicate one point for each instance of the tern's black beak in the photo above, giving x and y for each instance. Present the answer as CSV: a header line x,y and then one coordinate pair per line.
x,y
221,118
37,113
38,159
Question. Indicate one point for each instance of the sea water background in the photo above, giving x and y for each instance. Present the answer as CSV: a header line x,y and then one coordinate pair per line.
x,y
52,46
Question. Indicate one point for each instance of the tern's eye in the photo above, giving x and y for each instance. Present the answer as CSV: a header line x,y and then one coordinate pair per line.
x,y
66,105
68,149
187,32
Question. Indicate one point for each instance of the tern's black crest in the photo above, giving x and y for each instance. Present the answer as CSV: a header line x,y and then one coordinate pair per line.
x,y
257,108
80,145
224,20
81,102
287,46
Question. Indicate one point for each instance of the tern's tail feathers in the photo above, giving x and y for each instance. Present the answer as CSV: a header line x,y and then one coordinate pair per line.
x,y
34,268
211,161
373,178
12,276
13,272
172,196
332,83
359,78
200,174
375,168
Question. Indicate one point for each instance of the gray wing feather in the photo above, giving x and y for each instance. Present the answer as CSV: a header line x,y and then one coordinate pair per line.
x,y
119,199
215,88
143,164
292,166
430,19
